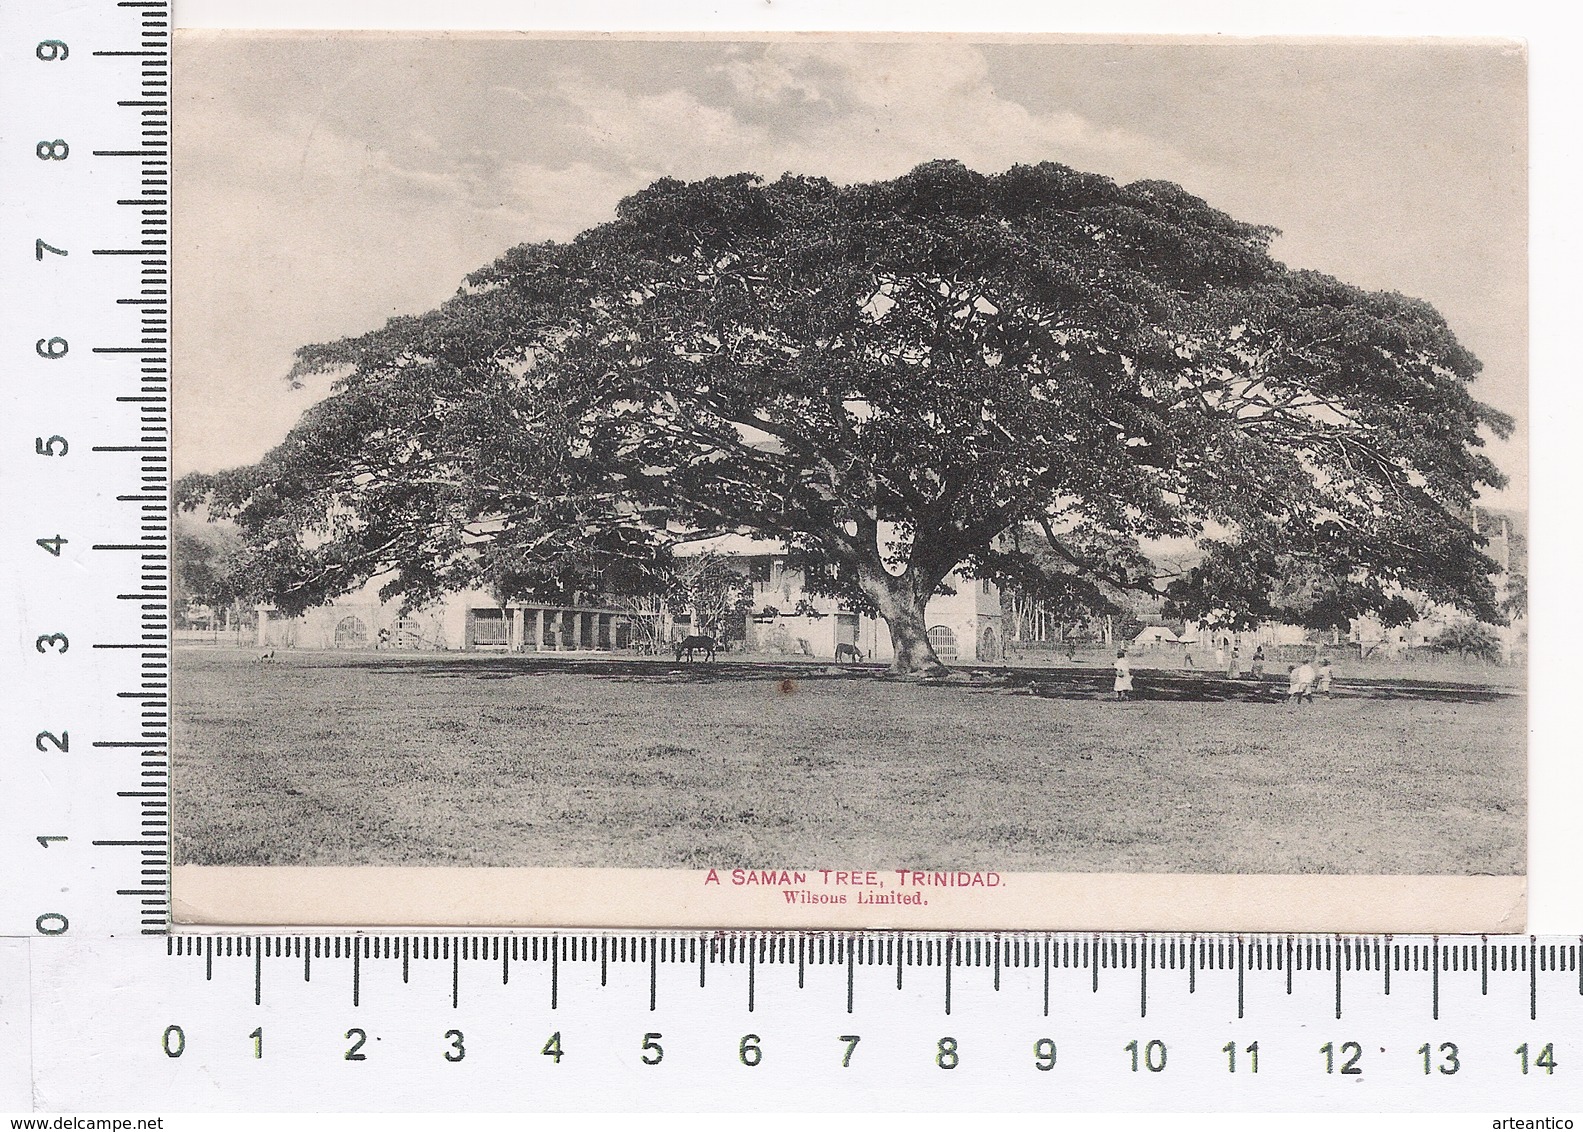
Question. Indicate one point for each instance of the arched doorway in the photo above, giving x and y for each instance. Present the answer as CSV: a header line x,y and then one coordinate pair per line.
x,y
351,633
989,646
943,641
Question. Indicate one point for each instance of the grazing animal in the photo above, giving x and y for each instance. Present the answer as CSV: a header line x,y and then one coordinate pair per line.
x,y
267,654
844,650
696,644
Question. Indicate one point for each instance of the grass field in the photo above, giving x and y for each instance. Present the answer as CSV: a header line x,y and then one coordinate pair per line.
x,y
374,758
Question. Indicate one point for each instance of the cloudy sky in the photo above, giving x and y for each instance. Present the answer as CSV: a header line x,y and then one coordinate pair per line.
x,y
326,182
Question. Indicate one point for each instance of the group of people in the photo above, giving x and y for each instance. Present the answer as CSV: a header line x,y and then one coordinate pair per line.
x,y
1232,666
1303,680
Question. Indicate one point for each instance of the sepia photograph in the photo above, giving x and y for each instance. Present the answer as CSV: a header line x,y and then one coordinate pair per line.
x,y
835,480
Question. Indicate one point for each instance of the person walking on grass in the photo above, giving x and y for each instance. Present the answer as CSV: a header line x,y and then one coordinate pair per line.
x,y
1258,663
1234,666
1322,682
1301,686
1123,676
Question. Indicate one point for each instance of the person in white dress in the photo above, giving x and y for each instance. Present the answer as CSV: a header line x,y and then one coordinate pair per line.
x,y
1302,684
1123,675
1322,683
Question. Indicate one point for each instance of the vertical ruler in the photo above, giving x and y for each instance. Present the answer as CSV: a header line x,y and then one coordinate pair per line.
x,y
85,161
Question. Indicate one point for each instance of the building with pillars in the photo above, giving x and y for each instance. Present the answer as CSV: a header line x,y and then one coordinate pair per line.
x,y
469,620
786,619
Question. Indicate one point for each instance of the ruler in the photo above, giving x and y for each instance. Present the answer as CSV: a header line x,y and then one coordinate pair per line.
x,y
808,1020
85,247
101,1009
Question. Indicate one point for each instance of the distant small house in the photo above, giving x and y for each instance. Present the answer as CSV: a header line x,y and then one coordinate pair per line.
x,y
1154,637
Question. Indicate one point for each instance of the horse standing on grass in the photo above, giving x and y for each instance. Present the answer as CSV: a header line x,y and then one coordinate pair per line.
x,y
695,644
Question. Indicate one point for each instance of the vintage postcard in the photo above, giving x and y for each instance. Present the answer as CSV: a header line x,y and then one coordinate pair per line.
x,y
840,481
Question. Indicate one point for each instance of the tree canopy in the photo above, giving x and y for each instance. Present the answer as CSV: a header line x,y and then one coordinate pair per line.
x,y
207,564
888,378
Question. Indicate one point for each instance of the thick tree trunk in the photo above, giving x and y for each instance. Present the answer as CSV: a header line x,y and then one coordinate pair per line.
x,y
903,610
909,638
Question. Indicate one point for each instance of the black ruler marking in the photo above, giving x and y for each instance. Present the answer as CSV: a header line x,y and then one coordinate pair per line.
x,y
850,964
1046,951
1338,976
1430,958
1143,990
1240,977
147,40
1533,978
946,952
1434,979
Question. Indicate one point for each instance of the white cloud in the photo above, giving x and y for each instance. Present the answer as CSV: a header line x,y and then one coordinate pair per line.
x,y
296,228
316,201
557,203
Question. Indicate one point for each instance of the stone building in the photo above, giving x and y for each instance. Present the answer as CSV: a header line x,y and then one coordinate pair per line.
x,y
468,620
787,618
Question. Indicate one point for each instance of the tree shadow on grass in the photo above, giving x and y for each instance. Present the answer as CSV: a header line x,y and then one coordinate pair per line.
x,y
1062,683
1056,684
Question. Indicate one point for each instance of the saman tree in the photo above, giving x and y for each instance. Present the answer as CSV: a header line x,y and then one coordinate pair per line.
x,y
888,378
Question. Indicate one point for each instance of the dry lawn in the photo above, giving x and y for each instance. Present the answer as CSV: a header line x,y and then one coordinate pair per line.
x,y
376,758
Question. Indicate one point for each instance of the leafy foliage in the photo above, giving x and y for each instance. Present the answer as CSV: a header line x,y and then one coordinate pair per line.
x,y
713,593
1515,607
208,564
1469,638
888,377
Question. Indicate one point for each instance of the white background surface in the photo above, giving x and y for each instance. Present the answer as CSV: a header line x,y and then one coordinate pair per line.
x,y
1556,784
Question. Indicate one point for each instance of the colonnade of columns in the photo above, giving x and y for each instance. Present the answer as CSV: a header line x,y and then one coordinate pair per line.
x,y
548,629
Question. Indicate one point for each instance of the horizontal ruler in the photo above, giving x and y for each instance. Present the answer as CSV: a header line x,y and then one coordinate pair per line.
x,y
777,1020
